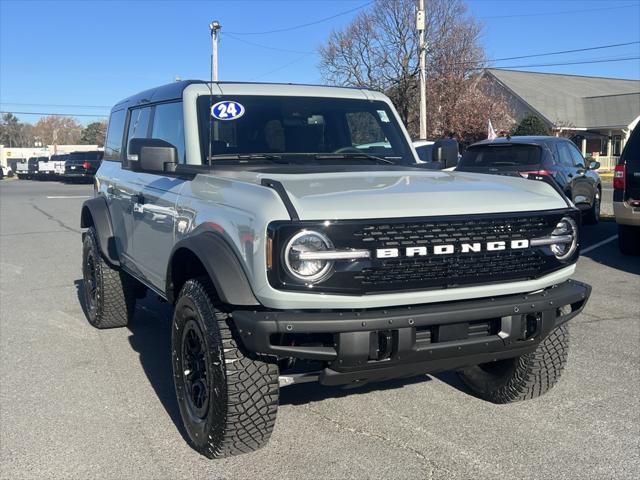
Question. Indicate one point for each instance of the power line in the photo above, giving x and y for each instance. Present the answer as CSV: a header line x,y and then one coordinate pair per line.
x,y
54,105
282,67
56,114
253,44
560,52
303,25
565,12
609,60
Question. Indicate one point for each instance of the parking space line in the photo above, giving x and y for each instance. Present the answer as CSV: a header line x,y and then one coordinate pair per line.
x,y
599,244
69,196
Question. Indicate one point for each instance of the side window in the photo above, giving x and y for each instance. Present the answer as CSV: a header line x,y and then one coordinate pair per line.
x,y
576,156
138,124
364,128
564,155
115,133
168,125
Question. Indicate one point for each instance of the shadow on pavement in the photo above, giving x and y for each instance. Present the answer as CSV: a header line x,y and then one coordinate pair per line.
x,y
608,254
314,392
151,337
452,379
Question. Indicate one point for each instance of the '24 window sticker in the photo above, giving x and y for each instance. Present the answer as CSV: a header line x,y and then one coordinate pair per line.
x,y
227,110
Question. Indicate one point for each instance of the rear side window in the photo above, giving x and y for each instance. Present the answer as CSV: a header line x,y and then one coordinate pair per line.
x,y
564,154
631,153
576,156
168,125
115,133
501,156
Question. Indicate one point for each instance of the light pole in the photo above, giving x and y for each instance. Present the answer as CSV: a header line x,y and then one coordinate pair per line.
x,y
215,29
420,26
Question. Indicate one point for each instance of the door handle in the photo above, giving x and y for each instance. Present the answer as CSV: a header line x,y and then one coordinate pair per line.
x,y
138,203
138,198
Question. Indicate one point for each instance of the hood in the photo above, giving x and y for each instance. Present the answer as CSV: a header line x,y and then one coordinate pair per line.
x,y
408,193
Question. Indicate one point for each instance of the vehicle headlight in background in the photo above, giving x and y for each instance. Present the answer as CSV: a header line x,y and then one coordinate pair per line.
x,y
566,232
310,271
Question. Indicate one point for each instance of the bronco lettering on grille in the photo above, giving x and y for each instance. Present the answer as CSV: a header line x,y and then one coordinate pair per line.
x,y
449,249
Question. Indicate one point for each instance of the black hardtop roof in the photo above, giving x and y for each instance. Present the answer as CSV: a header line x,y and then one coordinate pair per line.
x,y
173,91
522,139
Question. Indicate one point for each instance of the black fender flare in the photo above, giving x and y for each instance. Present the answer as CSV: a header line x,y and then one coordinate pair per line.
x,y
222,265
95,212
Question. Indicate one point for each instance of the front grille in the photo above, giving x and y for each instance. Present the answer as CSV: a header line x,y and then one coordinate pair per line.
x,y
455,269
438,268
433,233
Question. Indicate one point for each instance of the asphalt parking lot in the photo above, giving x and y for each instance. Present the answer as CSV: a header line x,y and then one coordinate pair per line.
x,y
80,403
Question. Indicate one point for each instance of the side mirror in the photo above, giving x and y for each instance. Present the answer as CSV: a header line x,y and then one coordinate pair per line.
x,y
445,152
151,155
593,165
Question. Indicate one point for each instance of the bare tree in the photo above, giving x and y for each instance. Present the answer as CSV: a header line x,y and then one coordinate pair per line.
x,y
379,50
14,133
58,130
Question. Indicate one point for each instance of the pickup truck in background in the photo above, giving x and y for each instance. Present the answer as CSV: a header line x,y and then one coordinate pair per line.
x,y
28,169
46,168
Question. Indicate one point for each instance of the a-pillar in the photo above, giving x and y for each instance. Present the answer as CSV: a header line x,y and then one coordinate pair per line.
x,y
583,146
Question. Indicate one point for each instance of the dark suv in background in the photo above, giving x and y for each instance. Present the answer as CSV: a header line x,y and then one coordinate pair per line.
x,y
552,159
626,196
82,165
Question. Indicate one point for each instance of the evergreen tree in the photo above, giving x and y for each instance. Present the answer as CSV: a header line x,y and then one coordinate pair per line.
x,y
530,125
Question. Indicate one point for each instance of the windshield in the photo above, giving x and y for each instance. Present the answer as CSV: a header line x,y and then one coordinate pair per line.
x,y
301,130
509,155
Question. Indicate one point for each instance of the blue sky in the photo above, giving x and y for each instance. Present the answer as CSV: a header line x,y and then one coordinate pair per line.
x,y
67,55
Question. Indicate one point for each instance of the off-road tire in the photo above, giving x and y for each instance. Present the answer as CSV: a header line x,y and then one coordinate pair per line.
x,y
241,387
629,239
592,216
109,293
524,377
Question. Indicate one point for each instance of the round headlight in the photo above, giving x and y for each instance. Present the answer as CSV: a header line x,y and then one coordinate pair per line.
x,y
567,231
310,271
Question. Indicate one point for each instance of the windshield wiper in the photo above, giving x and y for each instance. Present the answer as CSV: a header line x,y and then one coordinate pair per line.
x,y
249,156
363,156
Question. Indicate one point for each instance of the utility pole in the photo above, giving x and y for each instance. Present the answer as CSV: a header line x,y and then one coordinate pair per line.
x,y
215,29
420,25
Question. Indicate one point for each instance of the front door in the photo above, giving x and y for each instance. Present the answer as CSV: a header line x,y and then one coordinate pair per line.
x,y
154,206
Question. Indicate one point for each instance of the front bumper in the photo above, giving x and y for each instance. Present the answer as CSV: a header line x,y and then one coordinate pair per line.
x,y
378,344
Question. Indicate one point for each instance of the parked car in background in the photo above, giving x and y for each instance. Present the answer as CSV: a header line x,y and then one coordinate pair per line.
x,y
626,196
5,171
28,168
81,166
423,149
552,159
46,169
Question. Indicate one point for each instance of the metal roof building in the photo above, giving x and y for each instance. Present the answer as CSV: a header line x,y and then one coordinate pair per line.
x,y
601,112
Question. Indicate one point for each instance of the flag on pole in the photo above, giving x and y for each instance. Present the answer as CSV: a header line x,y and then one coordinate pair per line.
x,y
491,133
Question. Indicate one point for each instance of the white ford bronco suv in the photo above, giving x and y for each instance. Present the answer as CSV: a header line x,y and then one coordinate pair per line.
x,y
299,239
